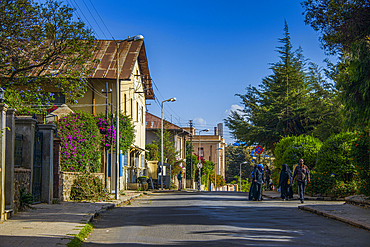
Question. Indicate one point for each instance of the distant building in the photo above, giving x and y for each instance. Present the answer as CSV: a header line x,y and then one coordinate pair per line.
x,y
212,148
153,124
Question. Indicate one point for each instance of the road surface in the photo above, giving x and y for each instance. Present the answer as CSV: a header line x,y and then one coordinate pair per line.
x,y
219,219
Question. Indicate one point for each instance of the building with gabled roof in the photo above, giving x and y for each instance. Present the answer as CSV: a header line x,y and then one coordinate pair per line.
x,y
153,124
135,87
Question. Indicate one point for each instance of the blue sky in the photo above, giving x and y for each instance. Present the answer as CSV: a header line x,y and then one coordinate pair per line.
x,y
203,52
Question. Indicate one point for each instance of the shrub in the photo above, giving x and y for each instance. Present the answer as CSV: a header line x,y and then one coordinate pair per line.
x,y
334,157
246,185
292,148
280,148
360,154
88,187
320,183
303,147
153,153
25,200
220,181
342,189
81,141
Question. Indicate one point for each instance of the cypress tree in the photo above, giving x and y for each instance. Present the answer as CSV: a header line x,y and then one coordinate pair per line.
x,y
289,102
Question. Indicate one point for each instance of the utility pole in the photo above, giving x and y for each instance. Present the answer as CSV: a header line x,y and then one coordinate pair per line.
x,y
191,154
105,164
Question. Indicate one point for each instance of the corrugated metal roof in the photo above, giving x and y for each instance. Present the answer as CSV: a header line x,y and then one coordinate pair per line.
x,y
128,53
154,122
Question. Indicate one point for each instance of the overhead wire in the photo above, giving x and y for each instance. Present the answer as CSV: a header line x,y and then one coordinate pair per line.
x,y
78,8
102,20
167,106
94,19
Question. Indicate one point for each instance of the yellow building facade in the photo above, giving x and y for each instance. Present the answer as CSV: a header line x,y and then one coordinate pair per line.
x,y
134,89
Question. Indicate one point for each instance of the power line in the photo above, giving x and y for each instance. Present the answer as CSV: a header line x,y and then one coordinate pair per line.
x,y
78,8
102,20
168,106
94,19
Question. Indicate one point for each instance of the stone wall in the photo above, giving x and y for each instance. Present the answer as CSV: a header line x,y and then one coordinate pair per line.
x,y
67,179
22,179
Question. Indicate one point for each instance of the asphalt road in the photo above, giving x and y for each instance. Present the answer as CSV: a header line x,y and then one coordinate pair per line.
x,y
219,219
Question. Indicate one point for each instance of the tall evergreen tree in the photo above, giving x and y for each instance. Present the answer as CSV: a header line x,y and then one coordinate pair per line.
x,y
282,105
234,156
344,26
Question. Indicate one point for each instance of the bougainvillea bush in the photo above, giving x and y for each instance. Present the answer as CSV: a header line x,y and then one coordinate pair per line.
x,y
126,131
81,140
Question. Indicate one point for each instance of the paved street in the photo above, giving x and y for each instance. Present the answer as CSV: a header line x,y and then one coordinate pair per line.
x,y
220,219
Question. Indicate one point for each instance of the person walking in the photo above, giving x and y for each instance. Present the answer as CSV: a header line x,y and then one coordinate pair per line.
x,y
179,177
251,189
285,181
303,174
268,176
258,182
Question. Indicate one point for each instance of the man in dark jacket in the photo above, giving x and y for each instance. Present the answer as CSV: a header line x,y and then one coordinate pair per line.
x,y
303,174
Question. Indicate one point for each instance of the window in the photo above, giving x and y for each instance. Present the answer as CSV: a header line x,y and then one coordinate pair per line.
x,y
59,99
125,104
201,152
137,111
131,109
142,114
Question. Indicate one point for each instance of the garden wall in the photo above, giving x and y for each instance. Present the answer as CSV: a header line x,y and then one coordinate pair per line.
x,y
22,179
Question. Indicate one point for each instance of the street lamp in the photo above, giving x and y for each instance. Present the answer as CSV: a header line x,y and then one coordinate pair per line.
x,y
216,161
245,162
167,100
200,163
129,39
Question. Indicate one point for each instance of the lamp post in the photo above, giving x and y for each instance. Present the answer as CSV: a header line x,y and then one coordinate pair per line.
x,y
245,162
216,162
129,39
200,163
167,100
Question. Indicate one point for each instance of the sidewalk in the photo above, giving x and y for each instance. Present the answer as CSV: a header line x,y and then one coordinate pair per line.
x,y
347,212
53,224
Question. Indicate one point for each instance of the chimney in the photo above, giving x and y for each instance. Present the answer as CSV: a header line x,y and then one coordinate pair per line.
x,y
215,131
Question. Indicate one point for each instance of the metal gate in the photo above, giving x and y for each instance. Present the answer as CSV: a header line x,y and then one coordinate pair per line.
x,y
37,165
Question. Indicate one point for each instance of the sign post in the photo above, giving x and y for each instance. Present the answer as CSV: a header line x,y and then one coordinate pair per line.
x,y
259,150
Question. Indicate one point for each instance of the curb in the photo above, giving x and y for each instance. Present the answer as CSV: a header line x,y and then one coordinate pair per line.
x,y
308,198
335,217
89,217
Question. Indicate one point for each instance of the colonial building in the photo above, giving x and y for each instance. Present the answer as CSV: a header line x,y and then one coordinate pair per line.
x,y
135,88
211,147
153,125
